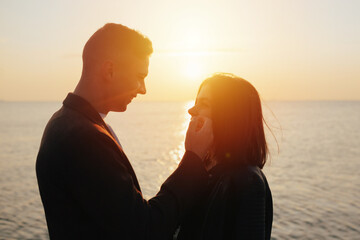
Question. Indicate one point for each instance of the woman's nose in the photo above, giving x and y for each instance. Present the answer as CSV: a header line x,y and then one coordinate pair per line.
x,y
192,111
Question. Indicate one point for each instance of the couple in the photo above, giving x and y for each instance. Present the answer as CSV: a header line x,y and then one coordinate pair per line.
x,y
89,189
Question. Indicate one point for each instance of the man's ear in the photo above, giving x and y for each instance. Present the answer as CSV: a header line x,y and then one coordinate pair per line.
x,y
107,70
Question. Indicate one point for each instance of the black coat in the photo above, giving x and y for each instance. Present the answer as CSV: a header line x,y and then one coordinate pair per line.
x,y
89,189
239,206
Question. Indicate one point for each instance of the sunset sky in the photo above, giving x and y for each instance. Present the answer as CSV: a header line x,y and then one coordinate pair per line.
x,y
289,50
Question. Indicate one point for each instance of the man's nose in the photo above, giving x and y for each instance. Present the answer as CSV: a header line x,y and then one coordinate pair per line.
x,y
142,88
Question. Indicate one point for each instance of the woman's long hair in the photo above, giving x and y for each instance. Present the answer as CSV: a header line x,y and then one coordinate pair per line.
x,y
239,137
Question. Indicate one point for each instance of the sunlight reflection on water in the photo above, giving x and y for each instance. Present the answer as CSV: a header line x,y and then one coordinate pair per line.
x,y
315,179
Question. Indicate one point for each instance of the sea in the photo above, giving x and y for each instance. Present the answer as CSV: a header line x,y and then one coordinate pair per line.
x,y
313,169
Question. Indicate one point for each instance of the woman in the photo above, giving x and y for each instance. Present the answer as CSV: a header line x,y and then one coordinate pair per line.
x,y
239,201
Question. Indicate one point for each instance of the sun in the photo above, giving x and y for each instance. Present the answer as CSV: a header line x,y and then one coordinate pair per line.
x,y
193,68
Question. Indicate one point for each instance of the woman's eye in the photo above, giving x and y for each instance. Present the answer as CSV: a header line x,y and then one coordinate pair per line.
x,y
202,104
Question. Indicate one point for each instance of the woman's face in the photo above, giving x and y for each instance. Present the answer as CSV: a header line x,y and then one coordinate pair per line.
x,y
202,104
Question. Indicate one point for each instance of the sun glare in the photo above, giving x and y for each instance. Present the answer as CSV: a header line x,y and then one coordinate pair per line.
x,y
193,69
191,45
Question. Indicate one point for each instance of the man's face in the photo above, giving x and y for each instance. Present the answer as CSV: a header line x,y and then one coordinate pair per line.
x,y
128,81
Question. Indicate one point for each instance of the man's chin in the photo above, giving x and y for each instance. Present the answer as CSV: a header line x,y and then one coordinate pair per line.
x,y
121,108
120,105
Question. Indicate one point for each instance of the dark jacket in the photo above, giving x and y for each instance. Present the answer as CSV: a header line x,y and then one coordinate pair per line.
x,y
239,206
89,189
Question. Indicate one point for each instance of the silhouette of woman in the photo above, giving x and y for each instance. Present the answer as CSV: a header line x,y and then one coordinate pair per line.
x,y
239,201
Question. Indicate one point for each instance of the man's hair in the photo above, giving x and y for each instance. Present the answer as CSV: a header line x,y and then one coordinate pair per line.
x,y
115,39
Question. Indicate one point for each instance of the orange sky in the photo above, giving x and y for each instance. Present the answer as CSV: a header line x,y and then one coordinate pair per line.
x,y
290,50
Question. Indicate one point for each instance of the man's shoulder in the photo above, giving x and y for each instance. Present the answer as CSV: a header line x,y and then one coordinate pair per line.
x,y
67,127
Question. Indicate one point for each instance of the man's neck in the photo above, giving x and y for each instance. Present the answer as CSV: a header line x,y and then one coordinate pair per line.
x,y
94,99
103,115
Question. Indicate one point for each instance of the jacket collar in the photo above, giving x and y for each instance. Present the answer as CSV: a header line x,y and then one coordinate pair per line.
x,y
82,106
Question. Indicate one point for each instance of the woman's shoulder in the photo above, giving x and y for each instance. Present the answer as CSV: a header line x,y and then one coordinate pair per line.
x,y
249,177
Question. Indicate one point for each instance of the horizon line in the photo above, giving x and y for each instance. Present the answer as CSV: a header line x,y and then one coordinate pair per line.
x,y
189,100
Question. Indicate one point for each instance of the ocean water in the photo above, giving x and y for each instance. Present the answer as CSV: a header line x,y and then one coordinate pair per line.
x,y
314,175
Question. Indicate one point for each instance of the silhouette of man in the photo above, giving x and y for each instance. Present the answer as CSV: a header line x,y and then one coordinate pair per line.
x,y
87,185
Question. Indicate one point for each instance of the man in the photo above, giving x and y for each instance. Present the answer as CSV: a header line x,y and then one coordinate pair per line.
x,y
87,185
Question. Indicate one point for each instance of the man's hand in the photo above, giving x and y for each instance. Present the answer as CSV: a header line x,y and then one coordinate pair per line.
x,y
199,136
